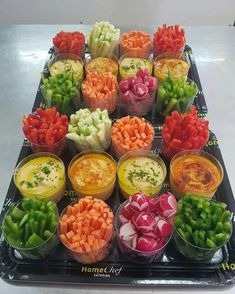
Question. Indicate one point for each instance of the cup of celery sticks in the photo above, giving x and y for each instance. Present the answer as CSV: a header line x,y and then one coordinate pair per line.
x,y
90,130
30,227
103,40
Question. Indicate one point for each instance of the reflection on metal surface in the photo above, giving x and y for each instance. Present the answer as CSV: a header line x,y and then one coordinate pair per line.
x,y
210,59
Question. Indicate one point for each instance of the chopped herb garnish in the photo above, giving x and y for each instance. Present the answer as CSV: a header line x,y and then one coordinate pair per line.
x,y
46,170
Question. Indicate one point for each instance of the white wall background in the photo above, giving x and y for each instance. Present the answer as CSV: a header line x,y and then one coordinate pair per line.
x,y
120,12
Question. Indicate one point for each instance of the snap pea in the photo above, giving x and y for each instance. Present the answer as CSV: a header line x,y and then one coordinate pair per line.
x,y
202,222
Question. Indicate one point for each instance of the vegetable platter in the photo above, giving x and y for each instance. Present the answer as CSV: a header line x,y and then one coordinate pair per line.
x,y
128,214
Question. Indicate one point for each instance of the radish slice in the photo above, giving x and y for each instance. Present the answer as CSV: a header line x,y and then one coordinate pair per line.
x,y
144,222
163,229
146,244
166,205
139,202
127,232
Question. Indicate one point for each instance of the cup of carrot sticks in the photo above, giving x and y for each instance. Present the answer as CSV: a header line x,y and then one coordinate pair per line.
x,y
100,90
131,133
137,42
86,229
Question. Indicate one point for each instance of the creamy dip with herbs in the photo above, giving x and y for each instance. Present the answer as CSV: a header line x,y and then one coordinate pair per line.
x,y
63,65
129,66
141,173
40,176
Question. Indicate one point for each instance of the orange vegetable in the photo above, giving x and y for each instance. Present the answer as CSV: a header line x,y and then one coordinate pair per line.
x,y
100,91
136,42
86,228
131,133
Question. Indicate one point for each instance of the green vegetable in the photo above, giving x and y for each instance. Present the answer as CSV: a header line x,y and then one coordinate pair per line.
x,y
203,223
60,91
103,39
30,223
175,95
90,129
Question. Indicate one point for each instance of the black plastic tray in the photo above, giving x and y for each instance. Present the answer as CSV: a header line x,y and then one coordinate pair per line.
x,y
172,269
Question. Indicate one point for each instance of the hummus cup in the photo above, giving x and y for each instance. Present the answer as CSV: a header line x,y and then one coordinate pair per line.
x,y
53,194
170,55
103,192
124,74
177,188
126,190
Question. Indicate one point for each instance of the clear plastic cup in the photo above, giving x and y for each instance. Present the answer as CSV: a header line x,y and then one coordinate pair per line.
x,y
109,102
56,148
37,252
102,64
169,151
91,256
180,187
191,251
140,61
127,189
136,106
63,57
79,52
177,66
120,149
158,50
134,255
104,192
53,192
165,105
135,36
66,107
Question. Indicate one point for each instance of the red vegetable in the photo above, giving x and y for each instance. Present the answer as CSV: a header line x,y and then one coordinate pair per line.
x,y
45,127
168,39
183,131
70,42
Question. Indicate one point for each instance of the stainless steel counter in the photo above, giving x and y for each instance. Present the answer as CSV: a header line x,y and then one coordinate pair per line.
x,y
23,50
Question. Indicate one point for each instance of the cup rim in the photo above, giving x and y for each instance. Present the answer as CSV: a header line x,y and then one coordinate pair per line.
x,y
179,148
44,145
198,247
64,56
95,151
133,55
33,156
116,220
18,202
82,252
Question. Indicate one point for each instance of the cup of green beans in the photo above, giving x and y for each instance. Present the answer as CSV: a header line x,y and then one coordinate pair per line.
x,y
201,227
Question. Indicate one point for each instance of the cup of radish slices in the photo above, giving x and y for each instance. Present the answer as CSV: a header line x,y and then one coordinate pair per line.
x,y
144,226
136,94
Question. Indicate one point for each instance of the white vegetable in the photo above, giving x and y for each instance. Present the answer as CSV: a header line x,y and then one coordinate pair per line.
x,y
90,130
103,39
